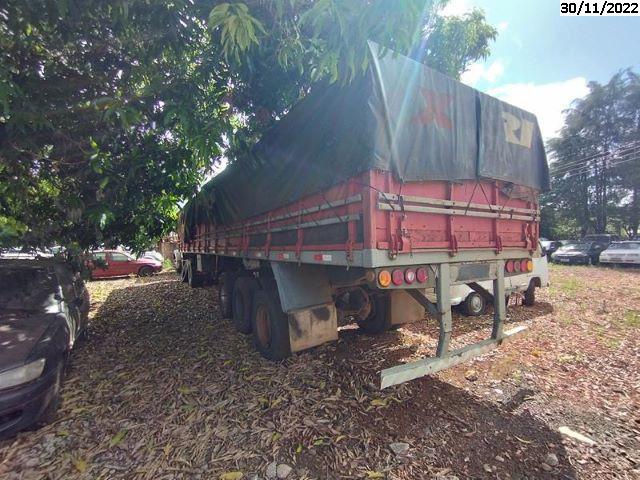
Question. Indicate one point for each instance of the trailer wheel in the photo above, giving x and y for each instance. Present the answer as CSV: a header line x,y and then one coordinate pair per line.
x,y
242,300
379,319
193,279
225,291
270,327
184,277
474,305
530,294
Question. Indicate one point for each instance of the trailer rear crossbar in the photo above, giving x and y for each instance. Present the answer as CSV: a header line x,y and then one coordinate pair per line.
x,y
420,368
441,310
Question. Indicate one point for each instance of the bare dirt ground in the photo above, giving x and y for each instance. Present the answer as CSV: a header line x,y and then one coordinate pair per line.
x,y
165,388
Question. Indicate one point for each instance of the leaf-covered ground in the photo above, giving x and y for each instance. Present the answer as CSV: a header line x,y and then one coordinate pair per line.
x,y
165,388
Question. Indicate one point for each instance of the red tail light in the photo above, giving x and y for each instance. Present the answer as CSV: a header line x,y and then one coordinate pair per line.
x,y
422,275
409,275
523,265
516,266
397,277
509,266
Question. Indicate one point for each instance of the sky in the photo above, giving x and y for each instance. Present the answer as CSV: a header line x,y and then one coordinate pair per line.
x,y
541,61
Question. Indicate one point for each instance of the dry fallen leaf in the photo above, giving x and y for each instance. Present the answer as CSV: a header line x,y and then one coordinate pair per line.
x,y
80,464
117,438
374,474
231,476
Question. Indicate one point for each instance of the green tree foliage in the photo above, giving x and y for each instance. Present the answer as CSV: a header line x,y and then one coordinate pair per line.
x,y
113,111
596,167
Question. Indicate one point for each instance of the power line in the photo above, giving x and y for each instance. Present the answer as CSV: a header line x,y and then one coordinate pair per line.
x,y
623,148
588,167
586,142
575,174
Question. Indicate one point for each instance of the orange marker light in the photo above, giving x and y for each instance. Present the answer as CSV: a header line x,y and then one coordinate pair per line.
x,y
529,265
384,278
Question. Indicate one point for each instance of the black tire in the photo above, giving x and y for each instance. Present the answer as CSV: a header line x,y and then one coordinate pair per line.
x,y
474,305
530,295
193,279
145,271
49,413
270,326
184,271
242,302
226,282
379,319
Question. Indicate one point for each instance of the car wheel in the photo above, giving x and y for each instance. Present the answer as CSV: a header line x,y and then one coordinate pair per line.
x,y
226,282
379,319
49,413
474,305
242,300
270,327
145,271
530,295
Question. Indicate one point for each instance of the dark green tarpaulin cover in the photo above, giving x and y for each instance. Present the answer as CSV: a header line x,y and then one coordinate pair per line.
x,y
402,117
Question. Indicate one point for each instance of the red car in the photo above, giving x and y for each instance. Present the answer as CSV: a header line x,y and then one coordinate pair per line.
x,y
120,264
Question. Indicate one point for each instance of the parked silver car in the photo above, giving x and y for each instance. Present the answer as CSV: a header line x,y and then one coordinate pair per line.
x,y
623,253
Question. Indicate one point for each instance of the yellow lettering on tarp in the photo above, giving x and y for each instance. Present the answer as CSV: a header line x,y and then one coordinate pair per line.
x,y
517,131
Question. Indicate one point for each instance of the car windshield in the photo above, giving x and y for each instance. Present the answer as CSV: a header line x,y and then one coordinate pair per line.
x,y
625,246
580,247
29,289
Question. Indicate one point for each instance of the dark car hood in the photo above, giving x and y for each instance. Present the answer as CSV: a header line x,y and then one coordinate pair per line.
x,y
20,331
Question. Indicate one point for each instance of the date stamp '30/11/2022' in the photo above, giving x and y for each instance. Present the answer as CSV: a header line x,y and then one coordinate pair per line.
x,y
599,8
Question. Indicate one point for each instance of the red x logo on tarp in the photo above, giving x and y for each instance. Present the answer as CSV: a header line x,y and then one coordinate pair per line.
x,y
436,109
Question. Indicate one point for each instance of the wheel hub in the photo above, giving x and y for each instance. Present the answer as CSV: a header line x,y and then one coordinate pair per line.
x,y
476,303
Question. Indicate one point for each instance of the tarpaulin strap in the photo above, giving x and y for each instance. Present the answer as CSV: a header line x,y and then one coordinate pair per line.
x,y
245,239
471,198
267,245
300,232
453,241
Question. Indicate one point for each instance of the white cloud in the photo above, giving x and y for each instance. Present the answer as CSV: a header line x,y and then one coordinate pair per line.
x,y
478,71
456,8
502,26
547,101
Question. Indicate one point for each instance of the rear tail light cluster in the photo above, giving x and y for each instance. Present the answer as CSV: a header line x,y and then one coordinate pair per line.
x,y
399,276
524,265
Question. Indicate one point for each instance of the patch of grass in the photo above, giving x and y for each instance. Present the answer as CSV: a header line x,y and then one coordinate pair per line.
x,y
569,286
564,358
167,264
612,343
566,321
632,318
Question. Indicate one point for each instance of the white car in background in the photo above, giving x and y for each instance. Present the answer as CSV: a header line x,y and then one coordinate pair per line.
x,y
154,255
473,304
623,253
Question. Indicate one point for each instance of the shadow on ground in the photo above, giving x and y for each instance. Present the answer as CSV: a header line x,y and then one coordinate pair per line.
x,y
165,388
